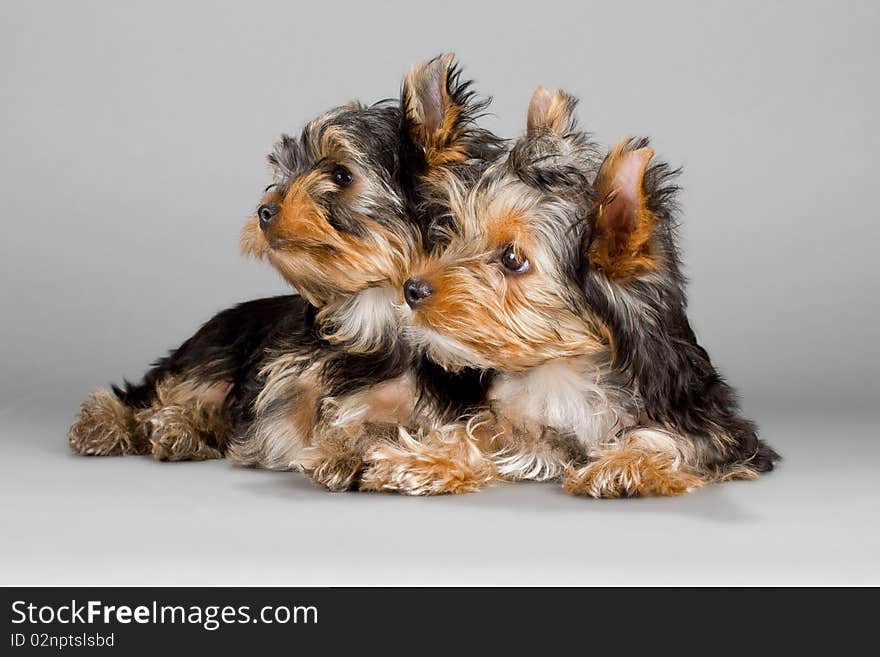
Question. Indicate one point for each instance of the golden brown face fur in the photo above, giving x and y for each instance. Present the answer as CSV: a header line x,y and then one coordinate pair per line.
x,y
318,259
340,224
486,311
504,293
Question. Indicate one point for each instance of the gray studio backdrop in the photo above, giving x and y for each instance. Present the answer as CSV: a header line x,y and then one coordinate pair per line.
x,y
134,133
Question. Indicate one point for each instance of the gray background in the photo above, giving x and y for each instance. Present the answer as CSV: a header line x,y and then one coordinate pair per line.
x,y
134,137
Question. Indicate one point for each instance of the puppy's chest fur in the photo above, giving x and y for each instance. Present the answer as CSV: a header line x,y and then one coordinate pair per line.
x,y
575,397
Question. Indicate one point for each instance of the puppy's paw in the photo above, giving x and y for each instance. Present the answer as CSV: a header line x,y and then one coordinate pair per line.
x,y
337,473
181,433
451,465
106,427
630,472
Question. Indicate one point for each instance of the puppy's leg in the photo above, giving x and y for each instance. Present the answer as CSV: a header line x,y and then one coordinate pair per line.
x,y
337,458
107,427
529,453
451,459
188,420
644,462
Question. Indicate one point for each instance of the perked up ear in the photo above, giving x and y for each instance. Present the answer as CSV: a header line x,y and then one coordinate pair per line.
x,y
554,155
439,109
551,112
621,244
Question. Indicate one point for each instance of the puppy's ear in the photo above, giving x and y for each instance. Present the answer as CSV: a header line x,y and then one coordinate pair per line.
x,y
554,155
551,112
623,225
439,112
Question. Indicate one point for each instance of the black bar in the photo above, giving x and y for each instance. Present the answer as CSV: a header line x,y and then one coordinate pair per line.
x,y
228,620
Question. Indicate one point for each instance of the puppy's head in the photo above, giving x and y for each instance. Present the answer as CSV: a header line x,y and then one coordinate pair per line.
x,y
342,214
334,221
508,291
503,292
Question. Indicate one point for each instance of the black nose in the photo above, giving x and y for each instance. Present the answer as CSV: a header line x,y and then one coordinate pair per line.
x,y
266,213
416,290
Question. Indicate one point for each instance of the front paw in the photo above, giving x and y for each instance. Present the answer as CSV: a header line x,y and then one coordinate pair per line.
x,y
630,473
181,433
413,468
106,427
337,474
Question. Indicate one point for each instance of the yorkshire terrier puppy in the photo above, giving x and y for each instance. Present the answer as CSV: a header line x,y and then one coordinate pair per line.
x,y
561,276
309,382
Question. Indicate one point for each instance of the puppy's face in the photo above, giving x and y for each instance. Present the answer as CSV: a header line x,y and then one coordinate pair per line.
x,y
505,293
334,221
344,212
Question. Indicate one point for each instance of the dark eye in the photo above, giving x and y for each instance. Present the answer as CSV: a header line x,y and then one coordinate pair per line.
x,y
514,261
341,176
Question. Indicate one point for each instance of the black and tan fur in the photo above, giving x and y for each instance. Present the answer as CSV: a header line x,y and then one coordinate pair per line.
x,y
563,278
309,382
546,335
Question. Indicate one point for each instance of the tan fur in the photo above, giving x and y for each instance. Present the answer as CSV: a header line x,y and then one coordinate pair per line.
x,y
639,465
107,427
187,421
447,461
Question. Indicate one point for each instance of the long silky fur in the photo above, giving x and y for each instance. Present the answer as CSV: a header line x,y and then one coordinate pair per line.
x,y
655,345
347,345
